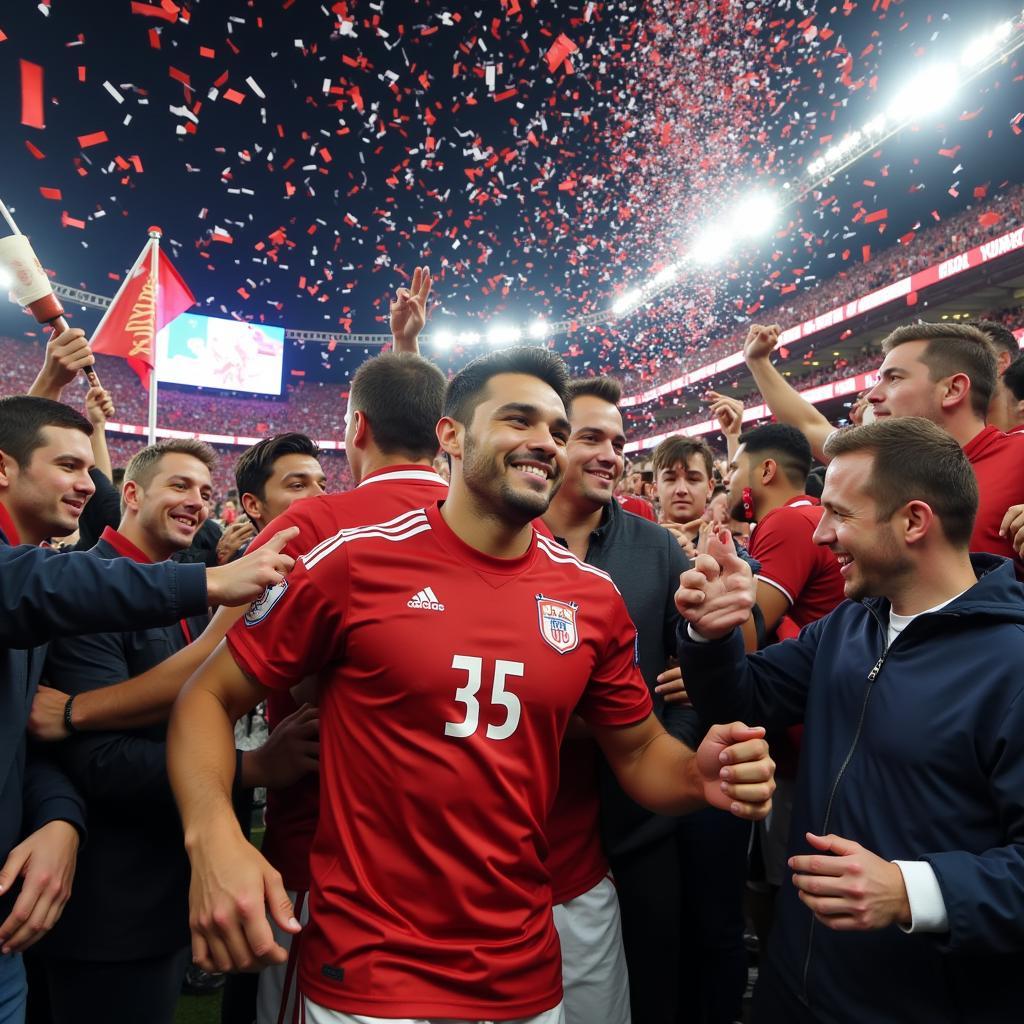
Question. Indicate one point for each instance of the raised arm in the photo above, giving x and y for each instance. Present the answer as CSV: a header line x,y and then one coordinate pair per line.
x,y
66,354
98,409
779,395
409,311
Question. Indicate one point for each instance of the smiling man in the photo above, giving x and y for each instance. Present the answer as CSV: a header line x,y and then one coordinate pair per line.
x,y
905,901
441,723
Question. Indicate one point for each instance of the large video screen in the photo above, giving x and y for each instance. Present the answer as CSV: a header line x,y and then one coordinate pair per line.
x,y
204,351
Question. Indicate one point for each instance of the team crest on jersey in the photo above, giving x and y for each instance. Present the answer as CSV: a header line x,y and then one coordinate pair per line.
x,y
261,607
558,623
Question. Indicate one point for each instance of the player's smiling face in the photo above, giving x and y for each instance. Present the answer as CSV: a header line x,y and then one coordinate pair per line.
x,y
173,505
514,450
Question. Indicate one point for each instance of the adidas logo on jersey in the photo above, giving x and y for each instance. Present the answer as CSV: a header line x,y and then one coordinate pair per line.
x,y
427,600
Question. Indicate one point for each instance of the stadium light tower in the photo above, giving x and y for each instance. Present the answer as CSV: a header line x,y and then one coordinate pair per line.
x,y
503,334
927,93
442,339
711,246
755,215
627,301
538,329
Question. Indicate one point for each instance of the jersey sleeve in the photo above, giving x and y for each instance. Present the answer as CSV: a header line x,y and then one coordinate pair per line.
x,y
786,552
307,538
296,627
617,693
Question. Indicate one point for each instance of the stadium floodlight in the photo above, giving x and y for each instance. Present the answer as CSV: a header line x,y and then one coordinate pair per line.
x,y
469,337
626,301
755,215
502,334
665,276
539,329
711,246
442,338
876,125
929,92
981,48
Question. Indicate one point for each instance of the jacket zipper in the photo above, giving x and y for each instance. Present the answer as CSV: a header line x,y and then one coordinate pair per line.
x,y
872,676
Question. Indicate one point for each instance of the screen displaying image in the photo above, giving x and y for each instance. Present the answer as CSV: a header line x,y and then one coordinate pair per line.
x,y
207,352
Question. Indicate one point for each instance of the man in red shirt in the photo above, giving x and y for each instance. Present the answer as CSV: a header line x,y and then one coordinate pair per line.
x,y
797,578
452,644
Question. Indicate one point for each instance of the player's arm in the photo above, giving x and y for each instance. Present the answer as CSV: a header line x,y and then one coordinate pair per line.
x,y
773,604
781,398
232,885
133,703
731,768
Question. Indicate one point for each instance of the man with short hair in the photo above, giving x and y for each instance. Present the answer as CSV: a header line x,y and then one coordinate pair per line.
x,y
276,472
1007,409
644,561
910,802
45,457
120,949
683,476
1007,349
455,643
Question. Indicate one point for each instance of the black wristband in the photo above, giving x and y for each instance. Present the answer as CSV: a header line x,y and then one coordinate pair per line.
x,y
68,724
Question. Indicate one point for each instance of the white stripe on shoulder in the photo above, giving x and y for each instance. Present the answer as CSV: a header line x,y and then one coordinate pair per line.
x,y
557,553
349,529
395,533
424,475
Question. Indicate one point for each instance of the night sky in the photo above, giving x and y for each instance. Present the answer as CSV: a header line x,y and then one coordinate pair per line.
x,y
390,134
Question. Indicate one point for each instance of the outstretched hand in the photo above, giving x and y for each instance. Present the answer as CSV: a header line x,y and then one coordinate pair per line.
x,y
409,310
716,595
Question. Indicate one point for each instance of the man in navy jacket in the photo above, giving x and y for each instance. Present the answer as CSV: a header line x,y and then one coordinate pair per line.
x,y
44,485
906,902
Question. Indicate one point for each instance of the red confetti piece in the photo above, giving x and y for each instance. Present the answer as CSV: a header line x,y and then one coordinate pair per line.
x,y
35,150
152,11
876,216
93,139
986,220
31,95
234,96
71,222
559,51
50,193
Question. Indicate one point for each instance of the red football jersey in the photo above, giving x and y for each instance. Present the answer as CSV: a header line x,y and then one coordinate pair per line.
x,y
292,813
806,573
998,462
447,681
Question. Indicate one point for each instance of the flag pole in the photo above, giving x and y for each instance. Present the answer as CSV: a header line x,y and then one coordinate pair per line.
x,y
155,235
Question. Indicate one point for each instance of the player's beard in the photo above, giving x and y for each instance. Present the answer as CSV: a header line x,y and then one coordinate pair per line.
x,y
491,488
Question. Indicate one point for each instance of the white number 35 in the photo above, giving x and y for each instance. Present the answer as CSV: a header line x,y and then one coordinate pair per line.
x,y
473,667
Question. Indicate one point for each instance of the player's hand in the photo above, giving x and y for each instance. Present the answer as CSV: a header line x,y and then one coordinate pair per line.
x,y
46,719
1012,527
233,538
849,888
672,688
716,595
243,581
729,413
760,342
736,770
409,310
232,890
45,862
99,407
291,751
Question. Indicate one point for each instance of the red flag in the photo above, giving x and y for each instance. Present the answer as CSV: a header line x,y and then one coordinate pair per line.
x,y
140,308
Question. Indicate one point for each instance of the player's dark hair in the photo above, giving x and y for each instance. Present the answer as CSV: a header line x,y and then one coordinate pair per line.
x,y
783,443
22,419
953,348
678,450
914,460
401,395
468,387
256,464
1014,378
607,389
1000,336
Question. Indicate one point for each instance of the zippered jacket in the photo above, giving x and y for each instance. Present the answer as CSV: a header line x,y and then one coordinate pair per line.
x,y
915,751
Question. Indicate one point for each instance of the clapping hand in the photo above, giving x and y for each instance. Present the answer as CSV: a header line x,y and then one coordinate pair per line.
x,y
716,595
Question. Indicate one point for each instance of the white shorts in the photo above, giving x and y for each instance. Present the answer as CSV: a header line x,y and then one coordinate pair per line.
x,y
321,1015
277,995
594,973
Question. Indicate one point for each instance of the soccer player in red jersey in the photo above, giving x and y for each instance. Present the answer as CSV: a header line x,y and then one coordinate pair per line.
x,y
452,644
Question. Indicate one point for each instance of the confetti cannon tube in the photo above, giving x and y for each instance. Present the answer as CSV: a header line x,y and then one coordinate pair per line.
x,y
30,287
